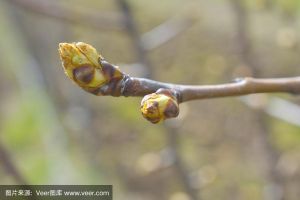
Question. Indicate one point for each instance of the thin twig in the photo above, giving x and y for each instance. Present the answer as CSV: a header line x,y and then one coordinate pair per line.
x,y
244,86
102,78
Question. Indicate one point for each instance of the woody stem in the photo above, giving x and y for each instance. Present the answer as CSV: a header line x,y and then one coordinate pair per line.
x,y
243,86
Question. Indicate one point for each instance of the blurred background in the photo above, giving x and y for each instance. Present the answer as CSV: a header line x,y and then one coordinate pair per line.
x,y
52,132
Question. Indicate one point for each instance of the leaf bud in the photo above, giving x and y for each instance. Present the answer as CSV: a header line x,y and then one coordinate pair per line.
x,y
160,105
80,63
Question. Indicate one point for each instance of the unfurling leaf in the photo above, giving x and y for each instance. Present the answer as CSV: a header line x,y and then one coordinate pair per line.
x,y
84,66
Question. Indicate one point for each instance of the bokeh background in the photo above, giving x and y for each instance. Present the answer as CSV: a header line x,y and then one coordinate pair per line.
x,y
52,132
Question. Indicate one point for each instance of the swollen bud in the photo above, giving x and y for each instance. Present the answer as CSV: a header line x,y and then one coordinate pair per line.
x,y
80,63
84,66
160,105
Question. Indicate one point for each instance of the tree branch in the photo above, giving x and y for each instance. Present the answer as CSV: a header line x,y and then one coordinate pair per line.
x,y
242,86
10,167
91,72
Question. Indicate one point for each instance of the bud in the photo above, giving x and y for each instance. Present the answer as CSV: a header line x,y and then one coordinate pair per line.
x,y
80,63
160,105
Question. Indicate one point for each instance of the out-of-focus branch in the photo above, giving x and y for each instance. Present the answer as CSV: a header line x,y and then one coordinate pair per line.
x,y
169,29
133,32
275,107
164,32
12,36
244,46
179,166
10,167
154,38
275,182
148,42
109,21
92,18
158,36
